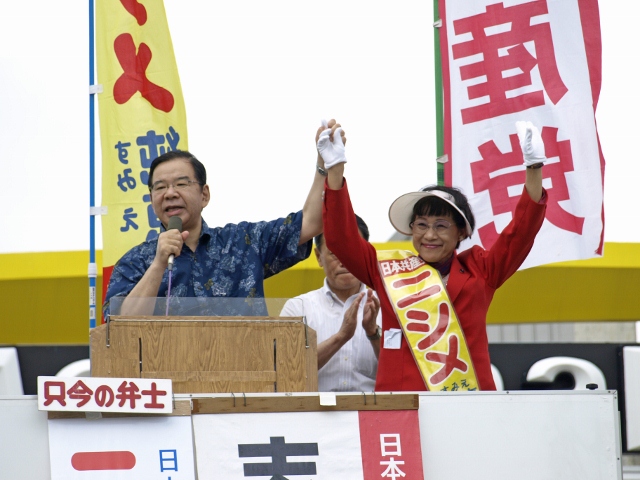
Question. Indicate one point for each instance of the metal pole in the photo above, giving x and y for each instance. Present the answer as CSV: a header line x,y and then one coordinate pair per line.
x,y
439,93
93,269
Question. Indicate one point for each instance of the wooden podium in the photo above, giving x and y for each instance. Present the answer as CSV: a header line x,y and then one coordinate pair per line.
x,y
209,354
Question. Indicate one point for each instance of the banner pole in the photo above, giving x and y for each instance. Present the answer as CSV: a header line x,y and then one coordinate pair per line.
x,y
439,93
93,269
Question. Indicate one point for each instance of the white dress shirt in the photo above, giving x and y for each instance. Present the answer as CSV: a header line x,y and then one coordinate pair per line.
x,y
353,367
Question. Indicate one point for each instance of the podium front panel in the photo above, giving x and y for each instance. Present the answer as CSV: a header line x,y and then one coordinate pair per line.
x,y
209,354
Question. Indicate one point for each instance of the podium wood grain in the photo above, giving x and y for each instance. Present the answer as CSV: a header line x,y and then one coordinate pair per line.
x,y
209,354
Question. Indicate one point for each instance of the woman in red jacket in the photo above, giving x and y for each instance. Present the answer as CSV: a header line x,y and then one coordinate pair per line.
x,y
438,219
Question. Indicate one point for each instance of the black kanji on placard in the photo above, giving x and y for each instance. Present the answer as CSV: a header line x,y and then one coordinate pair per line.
x,y
278,450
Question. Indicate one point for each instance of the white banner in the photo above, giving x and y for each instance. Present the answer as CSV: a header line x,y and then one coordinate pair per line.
x,y
309,445
525,60
121,449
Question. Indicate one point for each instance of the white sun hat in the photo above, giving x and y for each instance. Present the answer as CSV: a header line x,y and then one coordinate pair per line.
x,y
401,210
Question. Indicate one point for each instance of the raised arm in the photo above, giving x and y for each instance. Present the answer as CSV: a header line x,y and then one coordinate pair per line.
x,y
534,157
335,177
340,227
533,183
516,240
312,209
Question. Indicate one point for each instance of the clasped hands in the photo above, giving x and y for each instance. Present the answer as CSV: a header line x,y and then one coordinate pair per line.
x,y
330,141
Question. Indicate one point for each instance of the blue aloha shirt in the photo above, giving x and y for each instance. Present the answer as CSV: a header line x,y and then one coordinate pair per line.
x,y
229,261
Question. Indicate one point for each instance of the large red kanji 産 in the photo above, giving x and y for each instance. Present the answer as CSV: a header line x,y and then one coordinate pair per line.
x,y
506,64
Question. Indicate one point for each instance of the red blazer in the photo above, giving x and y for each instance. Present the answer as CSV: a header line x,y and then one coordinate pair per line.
x,y
475,275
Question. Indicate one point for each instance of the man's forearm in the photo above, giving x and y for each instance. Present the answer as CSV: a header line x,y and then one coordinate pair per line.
x,y
312,209
335,177
137,302
328,348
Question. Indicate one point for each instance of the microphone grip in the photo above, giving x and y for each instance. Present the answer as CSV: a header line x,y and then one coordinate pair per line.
x,y
175,222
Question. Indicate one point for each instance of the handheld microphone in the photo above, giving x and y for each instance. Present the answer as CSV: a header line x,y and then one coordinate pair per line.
x,y
175,223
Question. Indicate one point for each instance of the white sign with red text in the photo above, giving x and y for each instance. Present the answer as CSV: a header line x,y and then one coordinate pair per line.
x,y
142,448
309,445
538,61
94,394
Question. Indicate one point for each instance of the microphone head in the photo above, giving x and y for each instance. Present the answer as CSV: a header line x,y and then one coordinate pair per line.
x,y
175,223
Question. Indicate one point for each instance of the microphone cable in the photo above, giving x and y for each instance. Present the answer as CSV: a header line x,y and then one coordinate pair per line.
x,y
174,223
169,292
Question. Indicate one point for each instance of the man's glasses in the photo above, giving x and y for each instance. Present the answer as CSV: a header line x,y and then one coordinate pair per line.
x,y
439,226
160,187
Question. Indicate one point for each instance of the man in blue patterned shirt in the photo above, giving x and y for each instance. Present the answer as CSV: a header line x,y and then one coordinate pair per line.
x,y
229,261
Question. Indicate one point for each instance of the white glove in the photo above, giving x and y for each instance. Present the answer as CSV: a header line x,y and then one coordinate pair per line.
x,y
331,152
530,143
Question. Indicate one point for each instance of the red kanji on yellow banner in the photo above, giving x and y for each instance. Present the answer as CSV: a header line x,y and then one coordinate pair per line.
x,y
142,116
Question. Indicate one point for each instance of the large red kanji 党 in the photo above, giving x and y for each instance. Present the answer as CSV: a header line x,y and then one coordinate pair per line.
x,y
496,173
134,78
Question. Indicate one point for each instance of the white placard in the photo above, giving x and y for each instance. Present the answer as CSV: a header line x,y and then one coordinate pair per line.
x,y
121,449
631,356
334,435
94,394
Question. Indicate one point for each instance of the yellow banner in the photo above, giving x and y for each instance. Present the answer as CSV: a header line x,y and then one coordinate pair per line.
x,y
429,323
142,115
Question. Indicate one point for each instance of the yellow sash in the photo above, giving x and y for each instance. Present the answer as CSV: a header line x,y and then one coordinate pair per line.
x,y
429,323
